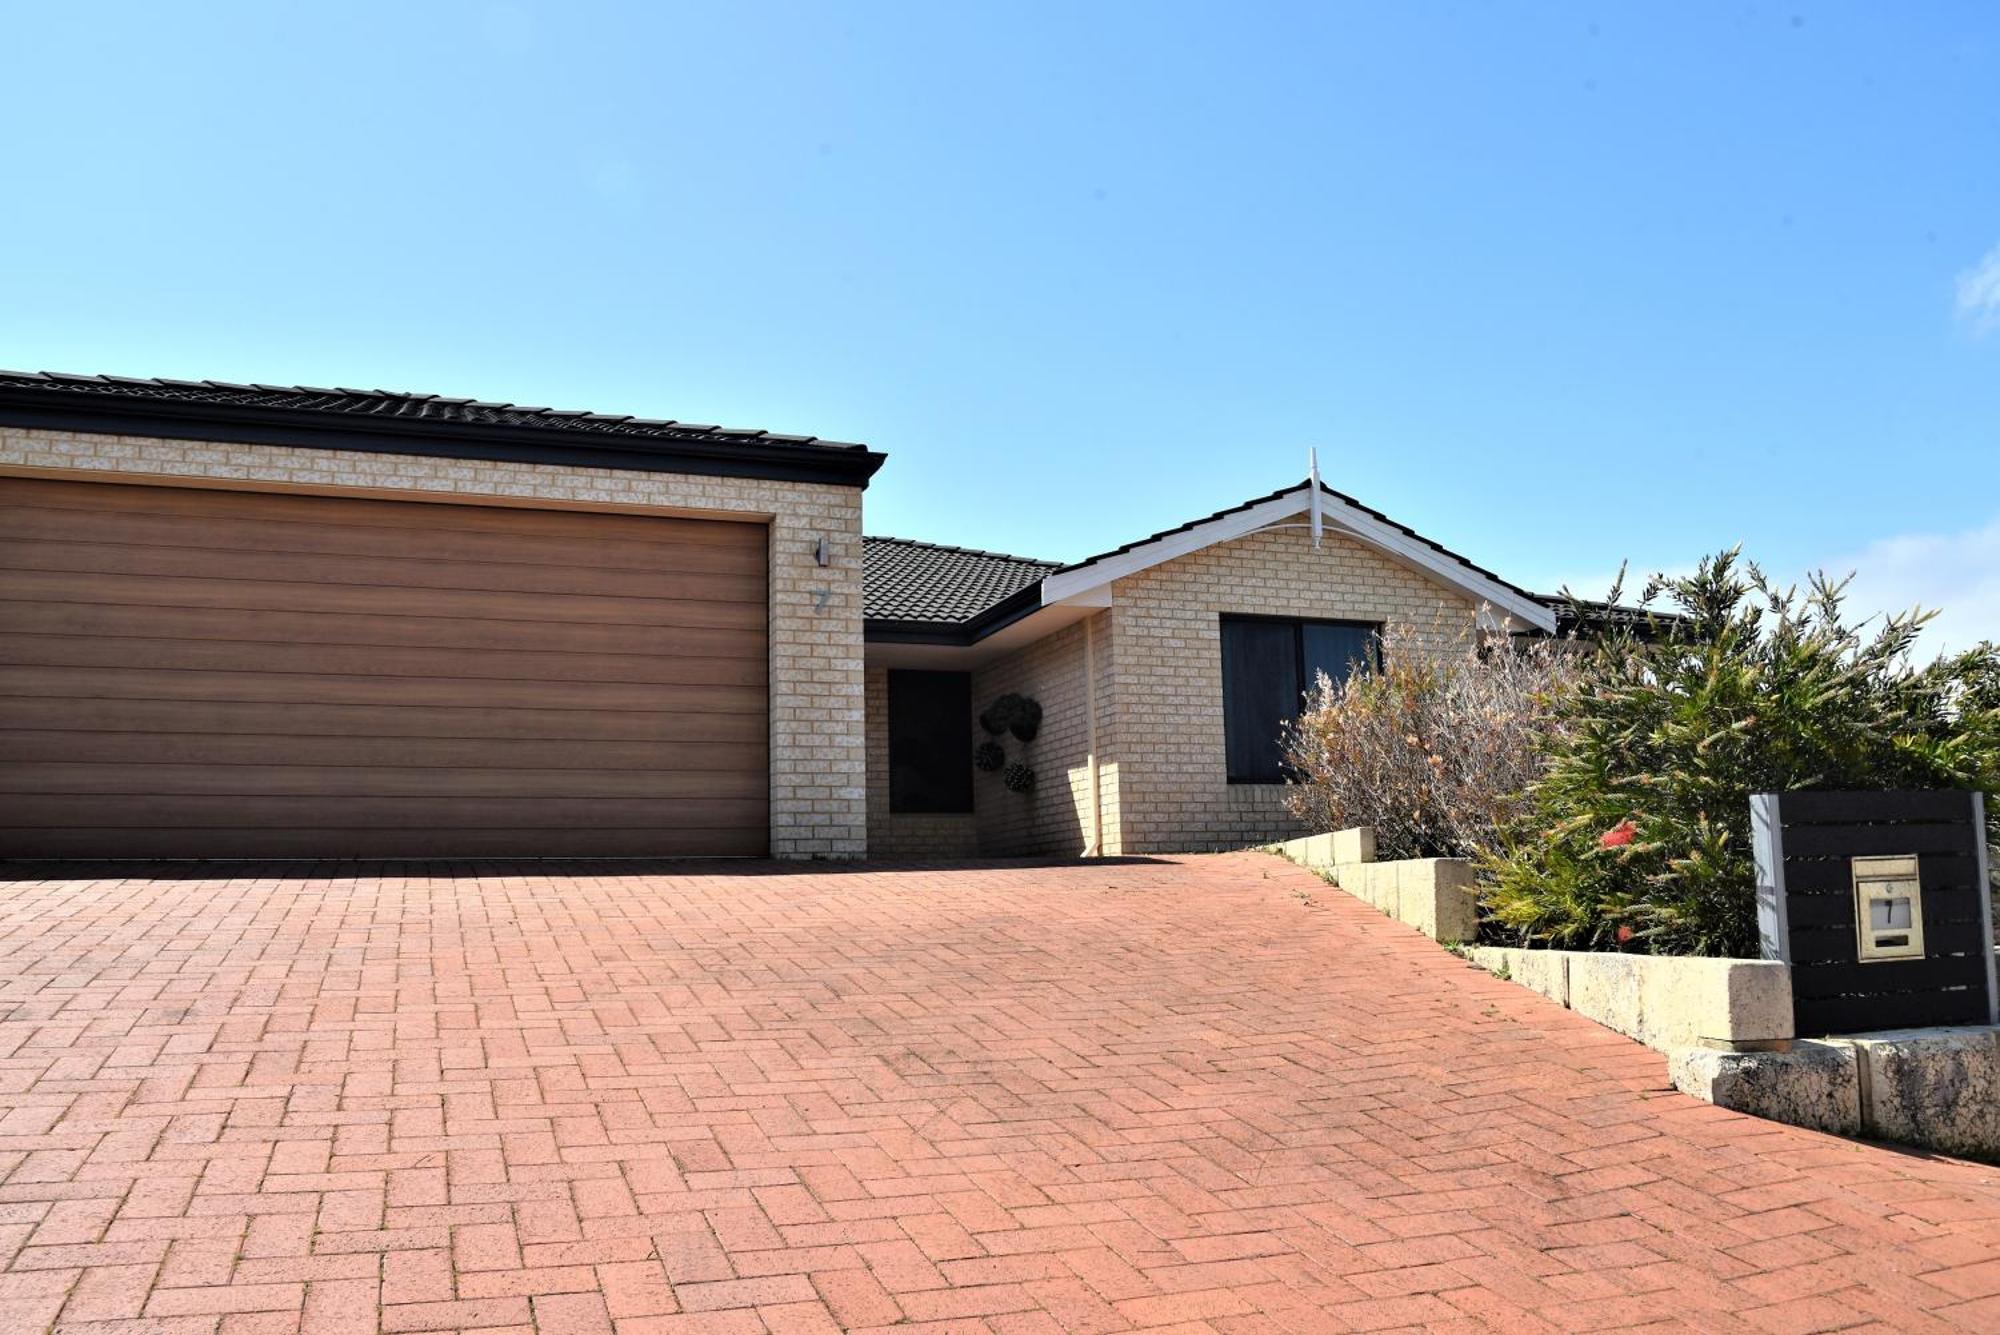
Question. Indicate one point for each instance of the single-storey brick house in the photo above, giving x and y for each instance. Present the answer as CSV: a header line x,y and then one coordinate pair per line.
x,y
263,621
1164,670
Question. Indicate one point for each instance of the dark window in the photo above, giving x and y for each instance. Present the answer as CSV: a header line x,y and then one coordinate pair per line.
x,y
1336,648
1268,665
930,741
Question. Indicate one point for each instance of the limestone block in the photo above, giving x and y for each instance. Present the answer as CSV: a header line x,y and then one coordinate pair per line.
x,y
1381,881
1355,845
1435,896
1455,903
1315,850
1543,971
1606,988
1718,1002
1370,882
1312,850
1939,1088
1810,1084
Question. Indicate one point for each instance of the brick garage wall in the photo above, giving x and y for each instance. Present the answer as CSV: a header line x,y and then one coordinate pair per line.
x,y
1172,786
818,767
1055,817
906,834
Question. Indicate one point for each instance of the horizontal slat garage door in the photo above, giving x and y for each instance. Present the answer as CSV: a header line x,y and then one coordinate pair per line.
x,y
205,673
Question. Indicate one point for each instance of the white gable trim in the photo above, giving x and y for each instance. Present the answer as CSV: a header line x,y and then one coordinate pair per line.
x,y
1067,586
1414,551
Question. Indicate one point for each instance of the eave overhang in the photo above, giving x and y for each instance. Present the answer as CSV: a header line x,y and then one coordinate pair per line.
x,y
55,409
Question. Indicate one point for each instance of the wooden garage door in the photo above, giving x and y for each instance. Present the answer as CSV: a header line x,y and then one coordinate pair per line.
x,y
201,673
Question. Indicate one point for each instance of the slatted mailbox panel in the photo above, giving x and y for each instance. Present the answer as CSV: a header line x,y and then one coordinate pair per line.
x,y
1806,844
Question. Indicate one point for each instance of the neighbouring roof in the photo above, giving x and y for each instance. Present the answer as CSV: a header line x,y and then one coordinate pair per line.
x,y
905,580
406,423
1587,618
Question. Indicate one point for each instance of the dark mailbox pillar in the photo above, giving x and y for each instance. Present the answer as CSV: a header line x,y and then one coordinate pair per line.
x,y
1879,902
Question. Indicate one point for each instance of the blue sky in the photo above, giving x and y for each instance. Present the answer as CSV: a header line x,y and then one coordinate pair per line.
x,y
1556,285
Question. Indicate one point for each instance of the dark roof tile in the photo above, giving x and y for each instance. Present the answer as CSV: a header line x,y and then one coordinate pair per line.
x,y
392,403
904,580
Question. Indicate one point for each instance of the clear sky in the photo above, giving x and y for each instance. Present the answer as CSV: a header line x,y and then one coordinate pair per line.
x,y
1556,285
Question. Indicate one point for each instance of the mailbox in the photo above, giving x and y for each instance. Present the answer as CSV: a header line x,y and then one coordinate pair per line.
x,y
1878,901
1888,909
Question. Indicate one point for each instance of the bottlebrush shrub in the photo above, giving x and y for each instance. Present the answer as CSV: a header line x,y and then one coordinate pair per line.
x,y
1639,818
1433,752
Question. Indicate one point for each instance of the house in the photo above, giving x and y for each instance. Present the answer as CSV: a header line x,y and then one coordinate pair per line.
x,y
276,621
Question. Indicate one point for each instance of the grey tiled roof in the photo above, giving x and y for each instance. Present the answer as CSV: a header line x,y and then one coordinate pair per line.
x,y
903,580
391,405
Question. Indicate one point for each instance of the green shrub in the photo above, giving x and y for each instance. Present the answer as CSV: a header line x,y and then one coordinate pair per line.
x,y
1636,833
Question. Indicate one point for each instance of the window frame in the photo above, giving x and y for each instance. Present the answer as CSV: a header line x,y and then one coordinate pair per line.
x,y
900,797
1297,624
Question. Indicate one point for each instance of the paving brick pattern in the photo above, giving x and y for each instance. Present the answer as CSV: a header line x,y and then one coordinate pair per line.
x,y
1197,1095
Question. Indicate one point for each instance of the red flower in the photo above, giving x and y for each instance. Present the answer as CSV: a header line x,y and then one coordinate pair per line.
x,y
1618,835
1624,933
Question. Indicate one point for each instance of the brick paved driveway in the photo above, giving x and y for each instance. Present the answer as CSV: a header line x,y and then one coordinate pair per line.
x,y
1200,1095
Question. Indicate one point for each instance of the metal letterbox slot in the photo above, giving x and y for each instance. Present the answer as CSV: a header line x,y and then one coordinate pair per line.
x,y
1888,909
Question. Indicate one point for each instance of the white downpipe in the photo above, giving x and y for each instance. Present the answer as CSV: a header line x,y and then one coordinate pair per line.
x,y
1095,847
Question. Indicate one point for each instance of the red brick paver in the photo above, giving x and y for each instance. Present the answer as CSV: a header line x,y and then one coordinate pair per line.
x,y
1205,1094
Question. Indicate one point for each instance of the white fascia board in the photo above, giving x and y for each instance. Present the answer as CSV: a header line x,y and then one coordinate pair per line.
x,y
1091,585
1065,585
1413,551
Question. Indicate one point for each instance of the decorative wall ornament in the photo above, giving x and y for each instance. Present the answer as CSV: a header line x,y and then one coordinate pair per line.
x,y
1013,713
1019,716
1027,720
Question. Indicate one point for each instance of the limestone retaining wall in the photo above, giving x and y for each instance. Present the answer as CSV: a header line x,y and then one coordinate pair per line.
x,y
1664,1001
1934,1088
1433,895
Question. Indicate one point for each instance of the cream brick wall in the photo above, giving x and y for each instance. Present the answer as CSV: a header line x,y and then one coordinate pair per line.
x,y
818,767
1173,788
906,834
1055,817
1156,652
